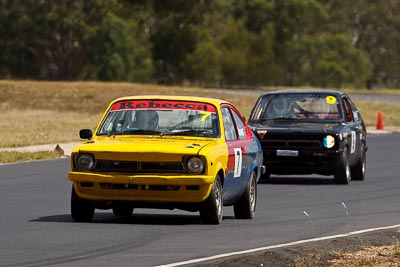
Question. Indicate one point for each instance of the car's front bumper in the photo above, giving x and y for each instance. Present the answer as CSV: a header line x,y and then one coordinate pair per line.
x,y
306,162
141,188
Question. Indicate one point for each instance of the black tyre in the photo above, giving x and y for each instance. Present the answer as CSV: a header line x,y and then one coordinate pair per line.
x,y
245,208
122,209
211,210
266,177
358,170
343,174
82,210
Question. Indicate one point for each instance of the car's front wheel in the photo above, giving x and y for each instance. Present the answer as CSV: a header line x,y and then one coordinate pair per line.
x,y
211,210
82,210
245,208
358,171
342,173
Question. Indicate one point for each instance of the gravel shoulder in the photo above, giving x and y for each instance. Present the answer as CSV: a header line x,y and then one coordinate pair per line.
x,y
319,253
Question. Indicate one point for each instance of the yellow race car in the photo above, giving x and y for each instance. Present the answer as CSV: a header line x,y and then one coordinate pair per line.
x,y
189,153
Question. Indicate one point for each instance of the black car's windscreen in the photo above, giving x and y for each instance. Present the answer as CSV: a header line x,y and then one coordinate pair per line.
x,y
301,106
161,117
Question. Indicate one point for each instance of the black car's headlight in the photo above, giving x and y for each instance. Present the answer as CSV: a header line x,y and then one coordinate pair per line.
x,y
328,141
194,164
84,162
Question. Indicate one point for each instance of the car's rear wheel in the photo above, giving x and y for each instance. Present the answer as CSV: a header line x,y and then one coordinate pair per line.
x,y
122,209
211,210
358,171
82,210
245,208
342,174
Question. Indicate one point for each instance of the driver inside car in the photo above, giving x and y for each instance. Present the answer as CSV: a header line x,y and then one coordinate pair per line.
x,y
146,120
280,107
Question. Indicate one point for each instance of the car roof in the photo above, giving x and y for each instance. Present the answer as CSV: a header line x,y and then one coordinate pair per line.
x,y
214,101
305,91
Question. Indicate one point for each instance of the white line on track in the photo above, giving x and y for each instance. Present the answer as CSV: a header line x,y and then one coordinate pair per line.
x,y
276,246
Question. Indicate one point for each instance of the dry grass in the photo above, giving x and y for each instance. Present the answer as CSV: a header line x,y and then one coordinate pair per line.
x,y
310,260
53,112
382,256
369,111
374,256
35,126
11,157
90,97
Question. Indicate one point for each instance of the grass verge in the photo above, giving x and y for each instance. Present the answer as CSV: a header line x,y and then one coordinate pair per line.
x,y
383,256
35,113
13,156
369,111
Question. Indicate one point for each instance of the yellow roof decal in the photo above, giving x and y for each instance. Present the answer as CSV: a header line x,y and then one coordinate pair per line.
x,y
330,100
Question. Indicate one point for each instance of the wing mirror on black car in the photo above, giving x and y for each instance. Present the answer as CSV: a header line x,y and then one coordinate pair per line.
x,y
85,134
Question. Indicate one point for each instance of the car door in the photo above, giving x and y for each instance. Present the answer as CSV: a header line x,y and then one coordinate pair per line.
x,y
354,129
235,138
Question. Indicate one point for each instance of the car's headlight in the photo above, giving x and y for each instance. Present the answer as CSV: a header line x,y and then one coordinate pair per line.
x,y
194,164
84,162
328,141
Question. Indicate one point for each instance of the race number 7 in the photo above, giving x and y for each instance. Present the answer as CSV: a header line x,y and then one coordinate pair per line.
x,y
238,162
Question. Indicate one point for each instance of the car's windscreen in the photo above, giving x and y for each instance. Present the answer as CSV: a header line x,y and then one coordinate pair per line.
x,y
299,107
163,117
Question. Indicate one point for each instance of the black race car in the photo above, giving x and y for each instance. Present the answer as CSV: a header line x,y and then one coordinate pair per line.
x,y
310,132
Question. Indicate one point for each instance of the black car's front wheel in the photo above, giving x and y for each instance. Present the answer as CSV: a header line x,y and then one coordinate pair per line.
x,y
358,171
245,208
266,177
342,173
211,210
82,210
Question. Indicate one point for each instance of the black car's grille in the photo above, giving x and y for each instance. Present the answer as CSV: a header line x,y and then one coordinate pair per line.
x,y
291,144
138,167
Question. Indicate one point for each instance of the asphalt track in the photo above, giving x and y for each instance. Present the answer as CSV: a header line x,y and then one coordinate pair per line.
x,y
36,228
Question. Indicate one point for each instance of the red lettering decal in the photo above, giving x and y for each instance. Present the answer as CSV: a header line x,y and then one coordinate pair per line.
x,y
162,104
125,105
178,106
154,104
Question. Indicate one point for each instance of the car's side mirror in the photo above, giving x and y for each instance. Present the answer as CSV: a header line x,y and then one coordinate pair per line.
x,y
85,134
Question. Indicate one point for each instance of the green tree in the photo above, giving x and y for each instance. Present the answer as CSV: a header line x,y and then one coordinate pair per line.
x,y
117,55
247,45
328,60
221,42
255,14
177,34
52,35
373,26
62,32
16,61
248,58
235,47
294,20
202,66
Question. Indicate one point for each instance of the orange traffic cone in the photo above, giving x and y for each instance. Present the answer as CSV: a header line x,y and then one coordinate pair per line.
x,y
379,122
